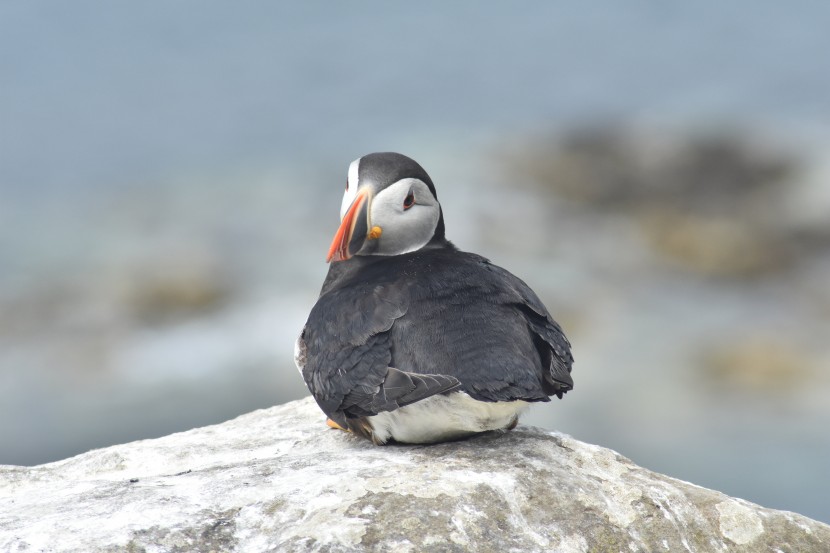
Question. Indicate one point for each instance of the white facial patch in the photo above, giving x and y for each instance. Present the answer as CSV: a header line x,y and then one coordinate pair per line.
x,y
351,187
404,230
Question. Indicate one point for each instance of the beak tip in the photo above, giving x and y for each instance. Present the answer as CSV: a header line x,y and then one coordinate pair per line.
x,y
335,254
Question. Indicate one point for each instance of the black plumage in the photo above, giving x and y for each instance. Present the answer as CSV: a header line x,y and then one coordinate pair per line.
x,y
443,320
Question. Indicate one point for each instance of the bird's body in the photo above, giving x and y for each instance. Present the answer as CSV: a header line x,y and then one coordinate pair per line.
x,y
426,345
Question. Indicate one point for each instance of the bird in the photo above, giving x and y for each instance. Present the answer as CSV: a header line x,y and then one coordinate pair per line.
x,y
412,340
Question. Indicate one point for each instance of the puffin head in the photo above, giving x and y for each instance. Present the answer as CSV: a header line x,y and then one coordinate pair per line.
x,y
389,208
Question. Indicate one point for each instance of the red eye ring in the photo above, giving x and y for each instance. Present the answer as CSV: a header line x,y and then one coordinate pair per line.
x,y
409,201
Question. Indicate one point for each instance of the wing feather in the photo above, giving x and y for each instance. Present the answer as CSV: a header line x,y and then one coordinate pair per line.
x,y
394,331
348,354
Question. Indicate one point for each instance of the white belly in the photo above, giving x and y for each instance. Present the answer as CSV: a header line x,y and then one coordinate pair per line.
x,y
444,417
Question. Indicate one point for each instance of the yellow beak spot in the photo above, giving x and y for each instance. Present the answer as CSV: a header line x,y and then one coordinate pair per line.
x,y
374,234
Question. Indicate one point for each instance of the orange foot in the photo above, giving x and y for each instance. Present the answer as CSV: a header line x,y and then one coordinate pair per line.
x,y
332,424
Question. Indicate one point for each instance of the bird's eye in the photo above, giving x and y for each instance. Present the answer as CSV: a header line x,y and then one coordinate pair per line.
x,y
347,185
409,200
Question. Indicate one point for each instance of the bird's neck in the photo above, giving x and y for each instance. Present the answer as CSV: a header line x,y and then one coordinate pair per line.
x,y
344,271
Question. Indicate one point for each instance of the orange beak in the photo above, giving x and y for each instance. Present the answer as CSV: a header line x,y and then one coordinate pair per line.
x,y
339,250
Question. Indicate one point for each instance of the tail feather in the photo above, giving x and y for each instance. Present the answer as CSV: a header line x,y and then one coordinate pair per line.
x,y
404,388
399,388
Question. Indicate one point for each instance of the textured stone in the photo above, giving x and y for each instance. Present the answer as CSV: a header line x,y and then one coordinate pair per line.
x,y
280,480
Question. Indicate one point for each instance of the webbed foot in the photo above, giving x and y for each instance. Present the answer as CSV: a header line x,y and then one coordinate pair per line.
x,y
331,424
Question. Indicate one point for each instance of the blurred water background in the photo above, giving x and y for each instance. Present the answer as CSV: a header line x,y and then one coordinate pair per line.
x,y
171,175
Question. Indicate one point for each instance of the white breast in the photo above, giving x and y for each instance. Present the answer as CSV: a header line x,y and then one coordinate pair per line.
x,y
300,352
444,417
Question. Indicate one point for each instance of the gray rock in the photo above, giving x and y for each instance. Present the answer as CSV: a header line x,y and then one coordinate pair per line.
x,y
280,480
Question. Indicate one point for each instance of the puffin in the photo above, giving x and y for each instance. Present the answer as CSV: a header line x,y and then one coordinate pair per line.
x,y
412,340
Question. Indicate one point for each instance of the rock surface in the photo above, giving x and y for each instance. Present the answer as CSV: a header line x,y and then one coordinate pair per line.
x,y
279,480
